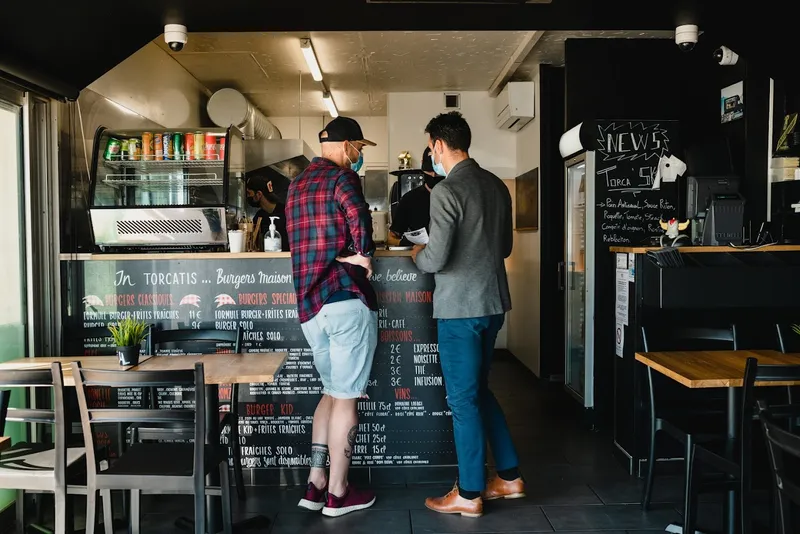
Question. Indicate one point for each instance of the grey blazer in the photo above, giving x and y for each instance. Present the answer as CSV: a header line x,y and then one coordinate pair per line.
x,y
471,235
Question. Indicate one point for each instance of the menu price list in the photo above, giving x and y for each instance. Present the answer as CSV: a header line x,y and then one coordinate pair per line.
x,y
404,421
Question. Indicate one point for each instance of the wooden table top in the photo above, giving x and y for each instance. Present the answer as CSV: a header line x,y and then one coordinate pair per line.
x,y
714,368
5,443
248,368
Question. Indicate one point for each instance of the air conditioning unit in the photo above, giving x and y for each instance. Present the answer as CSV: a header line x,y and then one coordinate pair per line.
x,y
513,107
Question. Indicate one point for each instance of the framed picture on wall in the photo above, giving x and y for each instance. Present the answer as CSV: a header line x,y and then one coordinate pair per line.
x,y
527,200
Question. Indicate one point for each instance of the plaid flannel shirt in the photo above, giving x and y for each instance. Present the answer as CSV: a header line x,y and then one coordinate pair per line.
x,y
326,217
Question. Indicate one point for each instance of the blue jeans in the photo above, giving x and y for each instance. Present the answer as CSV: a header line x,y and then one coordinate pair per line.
x,y
466,347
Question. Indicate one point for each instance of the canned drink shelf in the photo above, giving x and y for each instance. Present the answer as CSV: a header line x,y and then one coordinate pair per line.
x,y
145,165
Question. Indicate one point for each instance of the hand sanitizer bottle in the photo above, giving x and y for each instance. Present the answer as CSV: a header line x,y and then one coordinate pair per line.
x,y
272,239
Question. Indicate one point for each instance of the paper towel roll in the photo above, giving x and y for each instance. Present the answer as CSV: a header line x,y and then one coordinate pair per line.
x,y
570,142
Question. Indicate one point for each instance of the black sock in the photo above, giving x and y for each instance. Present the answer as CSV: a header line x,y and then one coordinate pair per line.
x,y
469,495
509,474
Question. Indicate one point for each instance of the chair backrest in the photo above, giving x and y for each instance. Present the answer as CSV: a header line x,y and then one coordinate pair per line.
x,y
784,452
788,340
689,338
86,378
187,335
758,373
46,377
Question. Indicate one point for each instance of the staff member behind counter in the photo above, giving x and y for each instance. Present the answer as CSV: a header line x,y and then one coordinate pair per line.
x,y
268,195
414,209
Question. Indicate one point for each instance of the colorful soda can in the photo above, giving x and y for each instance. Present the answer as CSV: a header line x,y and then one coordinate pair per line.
x,y
169,150
134,149
113,149
199,145
189,146
211,146
147,146
177,146
158,146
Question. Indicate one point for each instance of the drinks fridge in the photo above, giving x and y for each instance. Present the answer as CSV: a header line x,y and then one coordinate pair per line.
x,y
578,281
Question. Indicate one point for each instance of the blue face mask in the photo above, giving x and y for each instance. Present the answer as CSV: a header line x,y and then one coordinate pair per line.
x,y
438,168
355,165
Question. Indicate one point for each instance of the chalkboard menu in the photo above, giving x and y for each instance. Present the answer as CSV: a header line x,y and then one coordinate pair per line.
x,y
404,422
627,154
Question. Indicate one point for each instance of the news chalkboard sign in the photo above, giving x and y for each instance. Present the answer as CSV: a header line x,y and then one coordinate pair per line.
x,y
404,422
627,153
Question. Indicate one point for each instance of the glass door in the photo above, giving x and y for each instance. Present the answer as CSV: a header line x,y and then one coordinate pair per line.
x,y
13,306
575,279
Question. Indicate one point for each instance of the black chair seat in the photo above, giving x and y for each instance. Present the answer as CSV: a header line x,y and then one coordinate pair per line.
x,y
162,459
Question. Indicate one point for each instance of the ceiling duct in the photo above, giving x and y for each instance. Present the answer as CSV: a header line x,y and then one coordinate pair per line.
x,y
229,106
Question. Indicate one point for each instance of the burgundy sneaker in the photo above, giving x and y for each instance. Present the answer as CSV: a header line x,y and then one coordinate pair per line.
x,y
352,501
314,499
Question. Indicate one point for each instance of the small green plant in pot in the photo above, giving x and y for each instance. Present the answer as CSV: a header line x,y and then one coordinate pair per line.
x,y
128,334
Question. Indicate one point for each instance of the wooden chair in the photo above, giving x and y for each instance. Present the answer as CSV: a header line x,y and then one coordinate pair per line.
x,y
39,467
229,419
160,468
685,426
733,459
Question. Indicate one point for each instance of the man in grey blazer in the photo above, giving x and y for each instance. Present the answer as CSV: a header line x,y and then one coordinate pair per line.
x,y
470,237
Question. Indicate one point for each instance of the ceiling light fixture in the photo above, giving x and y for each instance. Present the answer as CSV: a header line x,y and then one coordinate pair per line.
x,y
311,59
330,104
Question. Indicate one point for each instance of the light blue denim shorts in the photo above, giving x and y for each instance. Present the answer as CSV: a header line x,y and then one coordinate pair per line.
x,y
343,337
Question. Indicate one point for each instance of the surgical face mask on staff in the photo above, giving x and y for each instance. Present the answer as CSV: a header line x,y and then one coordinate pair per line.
x,y
438,168
355,165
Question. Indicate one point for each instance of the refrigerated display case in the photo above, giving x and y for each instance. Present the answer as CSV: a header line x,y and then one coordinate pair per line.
x,y
579,280
183,196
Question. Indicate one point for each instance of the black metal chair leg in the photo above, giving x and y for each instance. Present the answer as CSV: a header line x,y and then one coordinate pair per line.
x,y
651,467
688,483
690,499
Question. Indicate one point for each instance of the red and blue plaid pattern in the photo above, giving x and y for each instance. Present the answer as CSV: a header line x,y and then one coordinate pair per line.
x,y
326,217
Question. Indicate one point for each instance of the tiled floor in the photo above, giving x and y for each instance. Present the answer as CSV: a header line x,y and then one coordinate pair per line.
x,y
574,484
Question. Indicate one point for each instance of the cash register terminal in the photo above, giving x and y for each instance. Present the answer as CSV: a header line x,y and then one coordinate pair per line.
x,y
717,210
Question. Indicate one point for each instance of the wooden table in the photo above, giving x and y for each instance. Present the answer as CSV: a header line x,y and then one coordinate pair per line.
x,y
714,368
246,368
717,369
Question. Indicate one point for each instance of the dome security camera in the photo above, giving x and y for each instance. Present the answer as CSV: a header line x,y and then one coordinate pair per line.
x,y
686,37
725,56
176,36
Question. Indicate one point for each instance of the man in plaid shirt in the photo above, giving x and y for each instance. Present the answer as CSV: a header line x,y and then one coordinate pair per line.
x,y
330,235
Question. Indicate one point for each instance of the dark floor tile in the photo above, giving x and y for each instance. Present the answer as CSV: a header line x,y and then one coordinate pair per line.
x,y
609,517
408,498
665,490
516,519
367,522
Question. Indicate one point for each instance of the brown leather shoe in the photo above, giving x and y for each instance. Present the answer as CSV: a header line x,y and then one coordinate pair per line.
x,y
453,503
497,488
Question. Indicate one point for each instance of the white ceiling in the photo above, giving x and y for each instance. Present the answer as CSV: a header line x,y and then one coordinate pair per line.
x,y
359,68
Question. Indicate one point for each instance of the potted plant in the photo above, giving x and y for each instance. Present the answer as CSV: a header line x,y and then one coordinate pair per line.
x,y
128,334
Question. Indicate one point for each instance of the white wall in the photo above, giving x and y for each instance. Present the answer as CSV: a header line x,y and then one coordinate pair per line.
x,y
153,85
409,113
494,149
525,261
375,129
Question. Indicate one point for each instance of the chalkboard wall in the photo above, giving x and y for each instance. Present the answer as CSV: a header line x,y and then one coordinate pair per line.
x,y
405,421
628,209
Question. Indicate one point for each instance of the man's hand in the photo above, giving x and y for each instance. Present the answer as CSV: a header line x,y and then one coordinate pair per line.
x,y
357,259
416,250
